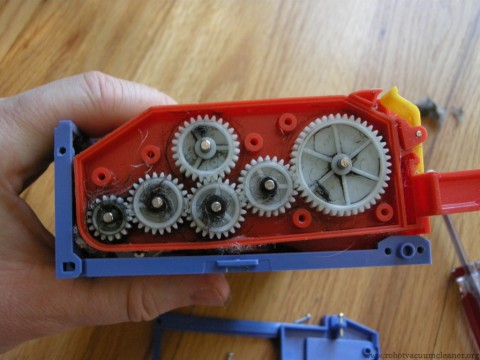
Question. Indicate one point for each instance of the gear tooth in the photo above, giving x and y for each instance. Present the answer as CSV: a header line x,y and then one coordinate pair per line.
x,y
140,181
147,177
103,237
123,232
154,231
205,232
118,236
140,225
91,228
96,234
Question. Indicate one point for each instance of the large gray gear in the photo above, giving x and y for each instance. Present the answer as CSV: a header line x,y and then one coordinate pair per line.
x,y
158,203
205,148
267,186
216,209
341,165
108,218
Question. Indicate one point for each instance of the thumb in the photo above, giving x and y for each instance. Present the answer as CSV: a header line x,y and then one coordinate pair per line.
x,y
96,102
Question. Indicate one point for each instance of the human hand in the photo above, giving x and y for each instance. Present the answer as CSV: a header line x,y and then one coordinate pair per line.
x,y
33,302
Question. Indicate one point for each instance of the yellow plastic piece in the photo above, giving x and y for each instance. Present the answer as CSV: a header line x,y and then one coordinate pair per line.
x,y
408,111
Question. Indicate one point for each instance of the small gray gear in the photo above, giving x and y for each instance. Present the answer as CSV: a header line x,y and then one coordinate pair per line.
x,y
205,148
341,165
108,218
216,209
158,203
267,186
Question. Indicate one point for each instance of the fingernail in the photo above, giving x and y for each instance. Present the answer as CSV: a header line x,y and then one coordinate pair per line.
x,y
208,297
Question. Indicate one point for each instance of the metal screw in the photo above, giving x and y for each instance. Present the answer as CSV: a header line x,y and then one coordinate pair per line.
x,y
269,185
341,319
230,355
419,133
107,217
344,162
205,145
157,202
216,206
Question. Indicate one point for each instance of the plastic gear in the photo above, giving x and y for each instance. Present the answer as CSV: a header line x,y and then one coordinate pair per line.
x,y
341,165
108,218
158,203
205,148
268,186
216,209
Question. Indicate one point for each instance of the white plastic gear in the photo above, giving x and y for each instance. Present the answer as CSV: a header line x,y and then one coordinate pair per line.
x,y
213,161
169,211
117,210
231,204
341,165
252,184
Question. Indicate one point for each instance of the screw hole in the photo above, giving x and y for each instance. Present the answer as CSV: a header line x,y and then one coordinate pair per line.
x,y
101,176
384,212
302,218
407,251
62,150
253,142
287,122
388,251
420,249
150,154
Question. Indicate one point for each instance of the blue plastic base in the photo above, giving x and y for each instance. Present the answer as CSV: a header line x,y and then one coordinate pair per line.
x,y
337,338
394,250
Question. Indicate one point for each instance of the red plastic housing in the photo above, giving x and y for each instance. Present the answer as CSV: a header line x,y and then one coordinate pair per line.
x,y
265,127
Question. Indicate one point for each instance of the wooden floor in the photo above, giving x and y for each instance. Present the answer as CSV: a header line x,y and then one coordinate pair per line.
x,y
203,51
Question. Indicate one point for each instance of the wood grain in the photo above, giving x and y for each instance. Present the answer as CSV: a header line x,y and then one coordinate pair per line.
x,y
202,51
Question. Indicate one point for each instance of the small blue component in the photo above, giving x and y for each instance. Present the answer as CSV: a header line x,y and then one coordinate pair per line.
x,y
337,338
392,251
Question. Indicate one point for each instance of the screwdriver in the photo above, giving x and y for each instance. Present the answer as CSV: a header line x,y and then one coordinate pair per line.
x,y
468,281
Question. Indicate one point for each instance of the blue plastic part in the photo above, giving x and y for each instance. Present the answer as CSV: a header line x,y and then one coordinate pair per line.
x,y
392,251
336,338
67,263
